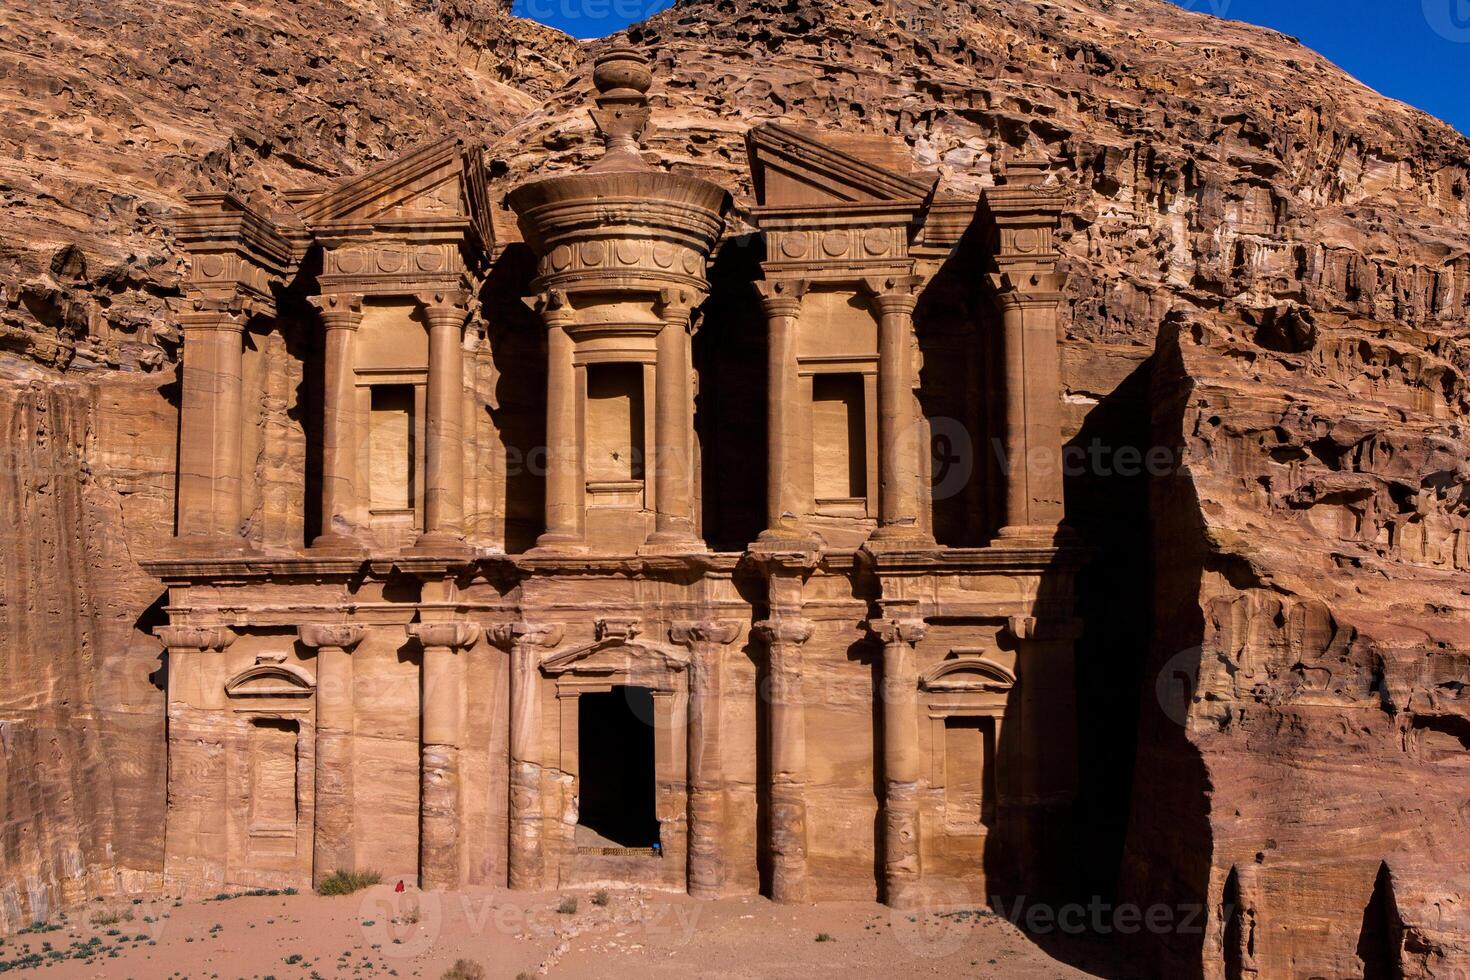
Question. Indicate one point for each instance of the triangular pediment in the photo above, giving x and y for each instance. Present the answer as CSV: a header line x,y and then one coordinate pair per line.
x,y
443,179
790,167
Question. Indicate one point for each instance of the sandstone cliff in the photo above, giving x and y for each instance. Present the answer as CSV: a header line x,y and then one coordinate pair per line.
x,y
1270,268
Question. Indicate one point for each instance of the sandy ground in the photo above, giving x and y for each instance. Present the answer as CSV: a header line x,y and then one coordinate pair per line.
x,y
637,933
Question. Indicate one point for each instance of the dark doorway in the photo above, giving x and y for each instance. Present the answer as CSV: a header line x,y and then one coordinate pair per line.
x,y
615,763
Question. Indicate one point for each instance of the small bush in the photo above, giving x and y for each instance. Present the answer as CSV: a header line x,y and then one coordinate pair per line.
x,y
464,970
342,882
823,937
568,906
599,898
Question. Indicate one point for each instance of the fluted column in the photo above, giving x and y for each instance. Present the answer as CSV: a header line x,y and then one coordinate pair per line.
x,y
899,459
565,513
210,480
785,503
901,762
442,731
527,644
706,642
332,839
787,716
673,435
444,405
341,315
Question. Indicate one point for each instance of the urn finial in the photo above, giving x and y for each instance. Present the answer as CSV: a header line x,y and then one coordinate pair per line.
x,y
622,77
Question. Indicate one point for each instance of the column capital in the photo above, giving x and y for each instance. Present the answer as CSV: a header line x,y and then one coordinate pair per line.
x,y
508,636
342,636
688,633
892,294
908,631
210,316
781,297
443,305
1026,288
338,311
553,307
455,635
675,305
784,631
198,638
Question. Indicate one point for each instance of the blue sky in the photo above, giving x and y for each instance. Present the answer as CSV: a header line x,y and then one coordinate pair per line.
x,y
1414,50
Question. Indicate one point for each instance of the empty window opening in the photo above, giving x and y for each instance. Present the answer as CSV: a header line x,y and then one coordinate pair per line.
x,y
839,438
969,771
615,765
392,447
614,423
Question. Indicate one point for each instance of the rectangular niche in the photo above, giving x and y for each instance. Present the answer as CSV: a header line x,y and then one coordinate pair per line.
x,y
614,423
273,753
969,772
839,440
391,437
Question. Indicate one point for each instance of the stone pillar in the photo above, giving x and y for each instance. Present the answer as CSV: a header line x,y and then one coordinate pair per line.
x,y
673,435
442,732
341,315
196,841
781,301
899,428
565,484
527,645
787,716
706,642
209,492
332,842
901,762
444,449
1032,430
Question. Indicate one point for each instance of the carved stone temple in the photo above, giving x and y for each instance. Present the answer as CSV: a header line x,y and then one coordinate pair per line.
x,y
594,529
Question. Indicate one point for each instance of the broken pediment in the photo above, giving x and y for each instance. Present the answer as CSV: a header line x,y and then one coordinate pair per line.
x,y
270,677
967,672
615,654
441,180
790,167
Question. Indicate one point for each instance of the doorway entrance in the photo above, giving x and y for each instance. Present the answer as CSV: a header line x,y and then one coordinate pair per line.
x,y
616,770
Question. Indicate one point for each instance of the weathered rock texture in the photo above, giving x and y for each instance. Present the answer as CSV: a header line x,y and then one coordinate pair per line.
x,y
1270,274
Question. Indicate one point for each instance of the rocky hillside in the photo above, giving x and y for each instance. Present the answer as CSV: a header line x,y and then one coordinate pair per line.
x,y
1270,275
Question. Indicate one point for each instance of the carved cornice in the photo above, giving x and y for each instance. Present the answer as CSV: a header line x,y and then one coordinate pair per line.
x,y
713,631
343,636
455,635
200,638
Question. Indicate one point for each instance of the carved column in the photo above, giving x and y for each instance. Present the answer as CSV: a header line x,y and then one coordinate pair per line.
x,y
332,841
196,842
706,642
444,449
341,315
787,715
673,434
899,429
442,720
785,501
1027,290
901,762
209,492
526,644
565,484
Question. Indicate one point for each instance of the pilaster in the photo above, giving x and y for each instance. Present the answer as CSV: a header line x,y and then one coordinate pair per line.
x,y
332,843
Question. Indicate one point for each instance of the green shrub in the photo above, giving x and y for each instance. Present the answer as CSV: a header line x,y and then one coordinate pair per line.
x,y
823,937
342,882
464,970
568,906
599,898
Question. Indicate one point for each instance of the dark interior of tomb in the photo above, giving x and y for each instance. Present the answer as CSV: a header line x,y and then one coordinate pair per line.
x,y
615,763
